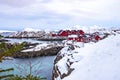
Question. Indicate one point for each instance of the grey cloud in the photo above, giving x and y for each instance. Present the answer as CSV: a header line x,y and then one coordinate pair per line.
x,y
76,0
46,1
17,3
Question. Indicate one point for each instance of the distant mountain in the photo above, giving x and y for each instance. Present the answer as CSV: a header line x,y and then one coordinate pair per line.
x,y
37,33
6,32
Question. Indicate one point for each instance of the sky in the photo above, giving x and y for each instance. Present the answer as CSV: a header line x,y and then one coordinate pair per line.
x,y
58,14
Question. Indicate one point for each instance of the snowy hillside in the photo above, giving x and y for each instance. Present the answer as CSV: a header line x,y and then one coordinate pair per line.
x,y
31,33
94,61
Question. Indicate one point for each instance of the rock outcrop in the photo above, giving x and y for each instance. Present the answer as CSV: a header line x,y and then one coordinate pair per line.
x,y
3,40
44,52
63,62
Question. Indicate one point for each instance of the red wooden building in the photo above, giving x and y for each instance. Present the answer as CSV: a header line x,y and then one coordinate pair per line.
x,y
69,32
78,35
63,33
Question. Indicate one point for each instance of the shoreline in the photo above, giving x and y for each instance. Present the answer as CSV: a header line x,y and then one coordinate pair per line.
x,y
44,52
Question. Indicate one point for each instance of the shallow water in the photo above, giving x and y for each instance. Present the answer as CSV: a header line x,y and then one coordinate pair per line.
x,y
13,40
41,66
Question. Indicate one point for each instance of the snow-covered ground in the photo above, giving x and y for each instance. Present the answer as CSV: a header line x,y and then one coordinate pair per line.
x,y
94,61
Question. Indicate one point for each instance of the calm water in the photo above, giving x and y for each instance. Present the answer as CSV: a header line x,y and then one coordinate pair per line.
x,y
42,66
11,40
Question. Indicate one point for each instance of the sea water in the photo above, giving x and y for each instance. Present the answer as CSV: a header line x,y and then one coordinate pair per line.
x,y
41,66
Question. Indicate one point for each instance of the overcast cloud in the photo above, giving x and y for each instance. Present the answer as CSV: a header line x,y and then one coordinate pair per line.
x,y
57,14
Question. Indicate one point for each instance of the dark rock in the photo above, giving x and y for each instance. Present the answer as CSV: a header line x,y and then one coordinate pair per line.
x,y
43,52
56,71
71,47
57,59
69,72
3,40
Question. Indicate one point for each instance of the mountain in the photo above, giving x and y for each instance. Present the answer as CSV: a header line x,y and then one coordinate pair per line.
x,y
6,32
30,33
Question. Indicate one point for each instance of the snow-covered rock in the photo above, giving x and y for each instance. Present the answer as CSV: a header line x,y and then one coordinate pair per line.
x,y
42,46
31,33
94,61
27,34
44,49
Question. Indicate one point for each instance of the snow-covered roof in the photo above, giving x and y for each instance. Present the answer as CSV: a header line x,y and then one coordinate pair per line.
x,y
73,36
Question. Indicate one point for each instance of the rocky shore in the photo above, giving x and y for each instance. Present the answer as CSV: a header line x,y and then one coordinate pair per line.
x,y
65,64
43,52
3,40
42,49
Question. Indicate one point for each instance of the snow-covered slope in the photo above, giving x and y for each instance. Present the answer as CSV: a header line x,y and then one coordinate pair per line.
x,y
94,61
31,33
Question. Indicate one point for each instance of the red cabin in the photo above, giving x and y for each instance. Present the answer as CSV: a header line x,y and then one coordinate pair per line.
x,y
80,32
64,33
97,38
54,35
73,32
70,38
70,34
79,39
75,38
